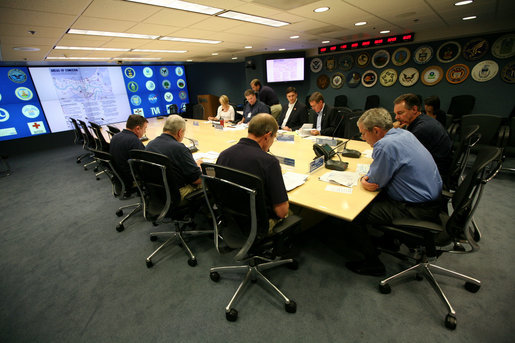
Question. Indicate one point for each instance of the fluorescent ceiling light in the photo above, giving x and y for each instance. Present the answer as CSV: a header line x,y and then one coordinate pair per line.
x,y
294,37
189,60
86,48
321,9
461,3
252,19
78,58
26,48
385,31
361,23
111,34
191,40
282,49
234,58
137,58
170,51
215,54
326,41
181,5
248,47
469,18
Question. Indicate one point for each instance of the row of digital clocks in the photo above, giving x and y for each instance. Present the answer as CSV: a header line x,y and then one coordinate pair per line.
x,y
368,43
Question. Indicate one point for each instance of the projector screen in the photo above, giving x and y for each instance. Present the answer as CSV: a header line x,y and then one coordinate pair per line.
x,y
94,94
20,111
285,70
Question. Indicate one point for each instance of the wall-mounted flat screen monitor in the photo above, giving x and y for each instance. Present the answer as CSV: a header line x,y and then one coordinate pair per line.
x,y
21,114
285,70
96,94
153,89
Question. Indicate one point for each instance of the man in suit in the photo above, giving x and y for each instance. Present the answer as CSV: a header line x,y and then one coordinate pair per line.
x,y
295,114
324,117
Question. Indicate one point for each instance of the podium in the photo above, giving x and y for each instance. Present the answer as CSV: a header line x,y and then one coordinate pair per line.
x,y
210,103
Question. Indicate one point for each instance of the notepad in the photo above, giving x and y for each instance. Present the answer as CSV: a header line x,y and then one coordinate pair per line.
x,y
293,180
344,178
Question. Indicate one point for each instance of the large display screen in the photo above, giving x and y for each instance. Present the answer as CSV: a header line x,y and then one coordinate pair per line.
x,y
153,89
94,94
285,70
20,111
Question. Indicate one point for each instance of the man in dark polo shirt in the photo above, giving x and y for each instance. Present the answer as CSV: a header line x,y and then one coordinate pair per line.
x,y
428,131
169,143
267,95
250,155
253,106
123,142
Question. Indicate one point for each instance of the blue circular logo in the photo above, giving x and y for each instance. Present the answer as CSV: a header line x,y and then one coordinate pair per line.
x,y
164,71
152,98
135,100
132,86
179,71
4,115
168,97
17,75
182,95
147,71
23,93
150,85
166,84
130,73
30,111
181,83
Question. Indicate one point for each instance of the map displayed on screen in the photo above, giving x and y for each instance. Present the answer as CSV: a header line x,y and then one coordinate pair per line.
x,y
20,111
95,94
285,70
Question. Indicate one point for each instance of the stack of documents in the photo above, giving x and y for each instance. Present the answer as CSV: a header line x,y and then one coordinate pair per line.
x,y
209,157
293,180
344,178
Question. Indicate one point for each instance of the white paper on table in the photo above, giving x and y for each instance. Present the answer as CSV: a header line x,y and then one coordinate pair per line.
x,y
293,180
236,127
338,189
367,153
362,169
209,157
344,178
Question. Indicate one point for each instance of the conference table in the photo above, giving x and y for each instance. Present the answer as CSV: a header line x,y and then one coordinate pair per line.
x,y
331,199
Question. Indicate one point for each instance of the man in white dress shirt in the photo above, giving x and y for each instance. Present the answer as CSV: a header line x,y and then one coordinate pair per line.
x,y
295,114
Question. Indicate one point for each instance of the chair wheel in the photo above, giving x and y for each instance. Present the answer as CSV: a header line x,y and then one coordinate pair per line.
x,y
149,264
293,265
214,276
119,213
232,315
419,277
97,178
153,238
120,227
385,289
477,235
85,168
192,262
472,287
78,161
290,307
450,322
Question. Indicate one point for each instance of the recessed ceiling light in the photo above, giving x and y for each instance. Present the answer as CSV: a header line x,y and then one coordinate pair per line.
x,y
252,19
78,58
215,54
282,49
469,18
385,31
168,51
294,37
189,60
181,5
248,47
87,48
461,3
138,58
26,48
234,58
361,23
111,34
191,40
321,9
326,41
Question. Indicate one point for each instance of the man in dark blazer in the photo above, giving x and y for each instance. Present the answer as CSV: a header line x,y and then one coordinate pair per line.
x,y
294,114
324,117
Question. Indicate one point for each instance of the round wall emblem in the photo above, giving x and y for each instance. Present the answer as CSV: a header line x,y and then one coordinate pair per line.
x,y
337,80
150,85
181,83
475,49
408,77
179,71
166,84
508,72
132,86
129,72
152,98
401,56
457,73
182,95
4,115
316,65
504,46
163,71
23,93
423,54
353,79
432,75
323,81
448,52
148,72
135,100
330,64
363,60
168,96
369,78
17,75
484,71
380,59
346,62
30,111
388,77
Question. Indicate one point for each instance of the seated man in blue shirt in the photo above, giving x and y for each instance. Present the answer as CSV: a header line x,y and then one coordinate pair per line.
x,y
253,106
406,173
250,155
169,143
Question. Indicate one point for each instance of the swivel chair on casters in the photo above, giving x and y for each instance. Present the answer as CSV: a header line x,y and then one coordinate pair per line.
x,y
155,177
430,240
240,220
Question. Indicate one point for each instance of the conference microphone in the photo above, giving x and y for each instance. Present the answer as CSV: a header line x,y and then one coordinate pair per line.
x,y
351,153
193,148
338,126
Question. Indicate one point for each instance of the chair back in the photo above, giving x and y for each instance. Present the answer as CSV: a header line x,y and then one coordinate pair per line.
x,y
88,137
372,101
79,139
351,128
112,130
239,198
173,109
489,126
100,139
106,162
198,111
466,198
469,137
340,100
155,177
461,105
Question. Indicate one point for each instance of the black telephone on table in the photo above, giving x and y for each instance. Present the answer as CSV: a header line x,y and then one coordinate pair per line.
x,y
328,152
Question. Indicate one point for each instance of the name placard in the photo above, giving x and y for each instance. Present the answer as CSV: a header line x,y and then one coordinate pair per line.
x,y
286,161
285,138
316,163
218,126
329,141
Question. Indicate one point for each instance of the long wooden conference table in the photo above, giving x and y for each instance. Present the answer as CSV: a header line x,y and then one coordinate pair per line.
x,y
336,201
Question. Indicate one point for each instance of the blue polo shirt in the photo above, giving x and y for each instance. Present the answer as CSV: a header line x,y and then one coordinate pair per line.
x,y
250,111
119,147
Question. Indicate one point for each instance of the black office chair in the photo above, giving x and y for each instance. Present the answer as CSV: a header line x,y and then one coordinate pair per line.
x,y
112,130
428,240
79,139
351,130
155,177
240,219
173,109
461,105
198,111
340,100
489,128
509,142
119,188
372,101
89,143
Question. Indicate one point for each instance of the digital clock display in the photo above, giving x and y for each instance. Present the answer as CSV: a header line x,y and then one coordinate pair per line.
x,y
368,43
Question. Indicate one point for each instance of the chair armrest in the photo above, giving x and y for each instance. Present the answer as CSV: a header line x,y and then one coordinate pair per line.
x,y
195,195
414,226
504,136
287,223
